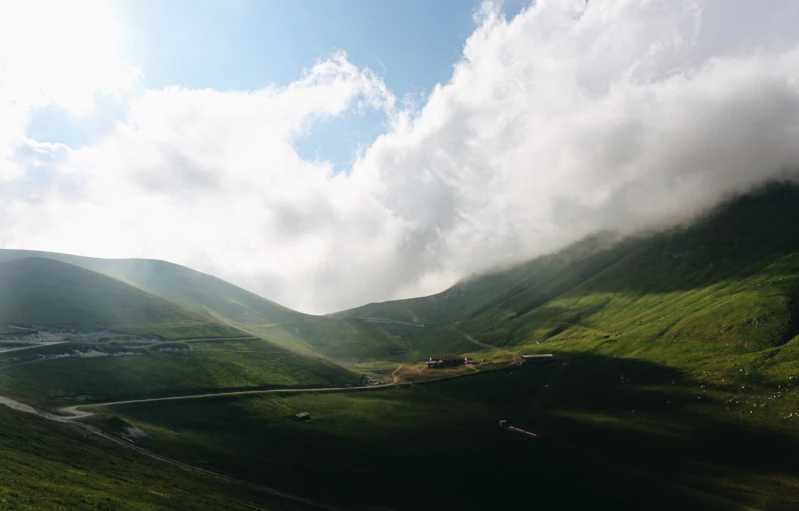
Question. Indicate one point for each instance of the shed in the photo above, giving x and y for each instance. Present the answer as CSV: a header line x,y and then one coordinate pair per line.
x,y
446,360
538,359
302,416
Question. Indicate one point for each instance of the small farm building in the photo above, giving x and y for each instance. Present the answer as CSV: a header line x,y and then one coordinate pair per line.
x,y
537,359
446,360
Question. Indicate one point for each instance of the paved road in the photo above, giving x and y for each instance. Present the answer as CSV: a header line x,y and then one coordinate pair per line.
x,y
32,346
73,412
16,405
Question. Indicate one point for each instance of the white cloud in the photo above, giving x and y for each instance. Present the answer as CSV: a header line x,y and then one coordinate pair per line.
x,y
53,53
567,119
60,52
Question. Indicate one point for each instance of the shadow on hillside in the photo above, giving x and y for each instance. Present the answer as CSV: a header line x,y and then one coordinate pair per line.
x,y
612,433
650,422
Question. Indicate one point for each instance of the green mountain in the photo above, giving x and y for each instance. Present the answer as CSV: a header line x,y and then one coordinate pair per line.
x,y
675,387
676,384
40,291
113,342
222,302
730,277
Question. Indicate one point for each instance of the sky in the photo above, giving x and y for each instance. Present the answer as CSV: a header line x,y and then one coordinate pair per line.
x,y
329,154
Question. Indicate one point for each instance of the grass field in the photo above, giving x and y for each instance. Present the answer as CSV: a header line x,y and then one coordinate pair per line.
x,y
177,302
191,367
675,385
613,432
45,465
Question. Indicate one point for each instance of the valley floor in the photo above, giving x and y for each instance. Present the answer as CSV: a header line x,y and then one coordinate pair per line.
x,y
611,431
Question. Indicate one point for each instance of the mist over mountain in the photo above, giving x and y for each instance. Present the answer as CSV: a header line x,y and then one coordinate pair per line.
x,y
564,120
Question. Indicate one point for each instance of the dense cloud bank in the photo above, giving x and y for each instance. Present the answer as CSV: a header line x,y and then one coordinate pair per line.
x,y
570,118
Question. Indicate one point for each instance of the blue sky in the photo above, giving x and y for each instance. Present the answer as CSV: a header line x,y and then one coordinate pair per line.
x,y
250,44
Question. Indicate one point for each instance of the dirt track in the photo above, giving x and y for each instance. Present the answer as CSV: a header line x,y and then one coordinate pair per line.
x,y
394,374
32,346
484,345
71,413
16,405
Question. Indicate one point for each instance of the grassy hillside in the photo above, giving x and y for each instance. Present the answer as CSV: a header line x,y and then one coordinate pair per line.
x,y
729,278
479,293
44,465
38,291
676,384
225,303
46,292
64,374
612,434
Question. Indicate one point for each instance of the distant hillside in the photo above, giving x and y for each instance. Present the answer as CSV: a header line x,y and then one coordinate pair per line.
x,y
225,303
730,278
191,289
40,291
711,280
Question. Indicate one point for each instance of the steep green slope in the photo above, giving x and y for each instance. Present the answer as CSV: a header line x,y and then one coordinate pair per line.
x,y
44,465
537,281
39,291
225,303
118,358
730,278
190,289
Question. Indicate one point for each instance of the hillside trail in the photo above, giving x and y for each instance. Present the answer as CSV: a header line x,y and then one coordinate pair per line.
x,y
73,412
394,374
70,415
16,405
33,346
484,345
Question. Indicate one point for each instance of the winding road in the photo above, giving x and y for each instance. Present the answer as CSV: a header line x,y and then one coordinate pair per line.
x,y
77,414
74,412
71,414
32,346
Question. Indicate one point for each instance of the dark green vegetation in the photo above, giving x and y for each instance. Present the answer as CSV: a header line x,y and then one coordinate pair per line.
x,y
45,465
120,342
215,301
730,278
39,291
675,387
612,434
